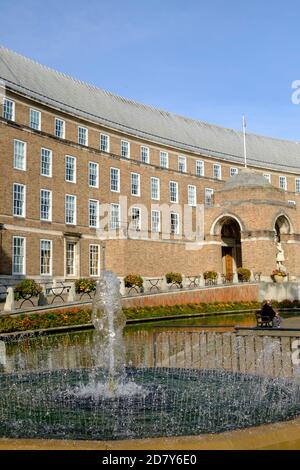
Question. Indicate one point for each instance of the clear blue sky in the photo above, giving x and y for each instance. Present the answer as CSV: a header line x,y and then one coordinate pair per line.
x,y
211,60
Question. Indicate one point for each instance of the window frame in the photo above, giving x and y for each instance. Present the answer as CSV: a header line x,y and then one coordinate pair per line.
x,y
119,179
132,174
39,114
202,166
96,186
23,215
143,147
182,158
195,195
159,221
86,143
64,128
51,256
24,156
98,263
15,273
108,142
128,148
97,212
75,209
154,178
74,170
50,205
8,100
163,154
175,183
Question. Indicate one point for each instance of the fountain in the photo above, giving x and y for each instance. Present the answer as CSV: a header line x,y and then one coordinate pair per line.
x,y
108,400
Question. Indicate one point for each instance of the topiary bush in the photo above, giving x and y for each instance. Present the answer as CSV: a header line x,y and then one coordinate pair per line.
x,y
244,274
27,288
210,275
133,280
85,285
174,278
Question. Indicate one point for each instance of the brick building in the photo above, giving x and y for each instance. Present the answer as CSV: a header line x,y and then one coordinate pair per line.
x,y
79,165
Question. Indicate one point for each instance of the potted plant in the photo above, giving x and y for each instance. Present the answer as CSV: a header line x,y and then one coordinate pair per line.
x,y
85,285
26,289
134,281
279,276
174,279
244,274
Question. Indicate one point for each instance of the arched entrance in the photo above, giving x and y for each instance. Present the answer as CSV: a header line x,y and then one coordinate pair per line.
x,y
231,247
282,227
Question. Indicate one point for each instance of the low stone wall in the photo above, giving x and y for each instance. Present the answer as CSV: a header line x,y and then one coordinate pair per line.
x,y
232,293
279,291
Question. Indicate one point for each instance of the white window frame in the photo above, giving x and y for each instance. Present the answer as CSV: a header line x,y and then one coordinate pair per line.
x,y
74,273
297,183
176,199
200,164
24,256
63,136
283,178
123,153
23,215
50,266
233,171
97,213
118,225
50,163
75,209
182,159
7,100
93,245
155,211
163,155
154,178
118,180
86,142
145,154
97,175
194,189
211,192
132,176
50,205
107,141
133,225
217,175
267,176
74,171
39,114
24,157
177,232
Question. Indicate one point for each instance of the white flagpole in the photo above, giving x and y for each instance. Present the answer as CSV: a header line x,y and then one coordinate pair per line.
x,y
244,134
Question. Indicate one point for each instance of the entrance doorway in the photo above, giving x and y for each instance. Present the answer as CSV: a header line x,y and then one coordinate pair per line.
x,y
231,247
227,255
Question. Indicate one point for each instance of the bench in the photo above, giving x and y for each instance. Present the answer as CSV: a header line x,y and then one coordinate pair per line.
x,y
263,321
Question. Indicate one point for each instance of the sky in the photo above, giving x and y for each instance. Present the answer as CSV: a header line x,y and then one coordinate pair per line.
x,y
211,60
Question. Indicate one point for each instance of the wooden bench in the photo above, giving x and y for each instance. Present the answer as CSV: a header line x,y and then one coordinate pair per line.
x,y
263,321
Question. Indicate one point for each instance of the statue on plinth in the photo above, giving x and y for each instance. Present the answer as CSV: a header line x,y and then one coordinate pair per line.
x,y
280,257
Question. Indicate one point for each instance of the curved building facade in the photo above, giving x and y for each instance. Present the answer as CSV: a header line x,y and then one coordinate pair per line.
x,y
83,171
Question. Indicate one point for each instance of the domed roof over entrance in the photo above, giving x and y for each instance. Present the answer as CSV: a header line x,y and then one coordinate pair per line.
x,y
246,178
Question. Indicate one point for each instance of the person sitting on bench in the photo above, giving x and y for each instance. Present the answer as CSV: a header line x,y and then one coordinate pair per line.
x,y
267,311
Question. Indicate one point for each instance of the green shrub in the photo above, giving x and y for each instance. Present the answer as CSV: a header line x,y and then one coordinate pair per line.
x,y
27,287
85,285
133,280
210,275
244,274
174,278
